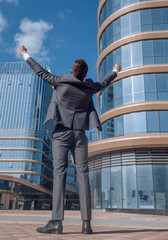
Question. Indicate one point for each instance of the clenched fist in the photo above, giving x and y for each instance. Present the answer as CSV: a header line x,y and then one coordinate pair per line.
x,y
117,67
22,50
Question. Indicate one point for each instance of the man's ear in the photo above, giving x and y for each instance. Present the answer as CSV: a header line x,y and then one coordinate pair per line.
x,y
71,71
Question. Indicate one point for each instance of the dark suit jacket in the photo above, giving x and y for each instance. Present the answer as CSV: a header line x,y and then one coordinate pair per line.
x,y
71,103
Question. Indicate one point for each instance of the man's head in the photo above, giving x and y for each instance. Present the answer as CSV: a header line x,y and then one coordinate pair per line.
x,y
79,69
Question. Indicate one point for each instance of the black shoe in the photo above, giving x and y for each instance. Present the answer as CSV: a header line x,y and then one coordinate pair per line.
x,y
51,228
86,227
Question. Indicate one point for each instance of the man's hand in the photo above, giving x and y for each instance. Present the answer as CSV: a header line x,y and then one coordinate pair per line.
x,y
117,67
22,50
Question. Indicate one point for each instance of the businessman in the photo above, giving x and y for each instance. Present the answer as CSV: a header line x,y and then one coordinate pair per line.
x,y
73,111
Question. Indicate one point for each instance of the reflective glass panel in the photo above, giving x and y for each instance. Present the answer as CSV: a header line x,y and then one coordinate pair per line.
x,y
115,190
140,122
145,187
128,124
106,188
129,186
160,175
153,121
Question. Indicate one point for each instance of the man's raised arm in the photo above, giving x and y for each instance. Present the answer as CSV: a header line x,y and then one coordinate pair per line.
x,y
41,72
106,81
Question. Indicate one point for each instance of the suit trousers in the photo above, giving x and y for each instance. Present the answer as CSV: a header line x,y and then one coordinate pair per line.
x,y
63,140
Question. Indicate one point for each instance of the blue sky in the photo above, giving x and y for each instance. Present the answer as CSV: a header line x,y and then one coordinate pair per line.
x,y
56,32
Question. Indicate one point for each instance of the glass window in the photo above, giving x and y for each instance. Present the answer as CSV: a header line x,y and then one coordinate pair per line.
x,y
157,19
116,30
117,56
146,18
109,7
110,128
109,60
109,31
162,96
150,96
159,47
140,122
124,3
165,14
147,48
125,25
129,186
110,97
148,52
135,22
117,89
166,47
116,5
145,187
162,82
153,121
92,186
127,86
115,189
160,176
136,53
126,56
157,16
163,116
138,84
127,90
106,187
104,39
150,83
128,124
118,126
97,190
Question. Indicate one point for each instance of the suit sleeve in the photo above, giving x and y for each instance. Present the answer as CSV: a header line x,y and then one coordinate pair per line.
x,y
41,72
97,86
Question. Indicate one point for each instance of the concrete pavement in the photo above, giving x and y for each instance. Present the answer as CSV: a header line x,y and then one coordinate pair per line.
x,y
21,225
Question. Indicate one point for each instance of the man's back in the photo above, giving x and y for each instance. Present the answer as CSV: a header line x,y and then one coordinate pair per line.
x,y
72,93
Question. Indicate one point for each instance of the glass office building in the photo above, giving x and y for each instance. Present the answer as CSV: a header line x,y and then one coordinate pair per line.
x,y
129,164
26,169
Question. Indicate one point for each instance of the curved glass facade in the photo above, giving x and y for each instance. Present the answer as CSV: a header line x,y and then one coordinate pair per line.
x,y
136,180
136,123
139,88
136,54
111,6
132,174
135,22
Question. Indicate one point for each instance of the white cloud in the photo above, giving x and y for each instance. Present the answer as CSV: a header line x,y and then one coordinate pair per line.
x,y
9,1
3,22
32,36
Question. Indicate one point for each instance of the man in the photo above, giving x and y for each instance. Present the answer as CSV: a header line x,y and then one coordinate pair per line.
x,y
73,110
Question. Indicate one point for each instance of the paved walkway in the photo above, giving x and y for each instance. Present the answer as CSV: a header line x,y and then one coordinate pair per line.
x,y
21,225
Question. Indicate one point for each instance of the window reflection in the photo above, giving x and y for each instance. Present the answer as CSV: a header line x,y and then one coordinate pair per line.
x,y
115,187
129,197
147,87
106,188
135,22
136,182
145,191
136,123
149,52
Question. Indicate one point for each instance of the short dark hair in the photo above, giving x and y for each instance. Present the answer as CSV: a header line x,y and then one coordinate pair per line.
x,y
80,69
